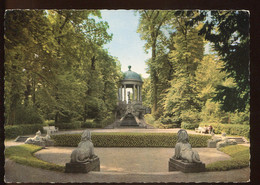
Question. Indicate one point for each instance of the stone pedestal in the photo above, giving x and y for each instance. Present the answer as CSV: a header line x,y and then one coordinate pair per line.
x,y
212,144
21,138
38,143
178,165
83,167
49,143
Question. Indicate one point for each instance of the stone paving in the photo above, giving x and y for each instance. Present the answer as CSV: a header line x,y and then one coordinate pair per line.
x,y
19,173
129,159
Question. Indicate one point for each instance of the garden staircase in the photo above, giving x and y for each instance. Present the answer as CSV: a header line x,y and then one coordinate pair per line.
x,y
239,140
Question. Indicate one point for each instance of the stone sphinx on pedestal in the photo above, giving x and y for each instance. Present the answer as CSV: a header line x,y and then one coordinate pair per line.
x,y
39,140
185,159
36,140
83,158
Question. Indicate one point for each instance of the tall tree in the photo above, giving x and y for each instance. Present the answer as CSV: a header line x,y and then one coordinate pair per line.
x,y
53,59
181,104
150,27
229,32
27,34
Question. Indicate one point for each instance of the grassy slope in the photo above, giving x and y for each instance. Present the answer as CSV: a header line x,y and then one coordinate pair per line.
x,y
24,154
240,159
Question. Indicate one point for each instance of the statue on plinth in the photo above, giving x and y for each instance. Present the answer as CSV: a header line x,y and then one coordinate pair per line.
x,y
39,140
185,159
83,158
85,150
36,138
183,150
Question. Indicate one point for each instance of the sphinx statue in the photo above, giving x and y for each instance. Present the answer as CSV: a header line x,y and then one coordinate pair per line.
x,y
85,150
36,138
183,150
83,159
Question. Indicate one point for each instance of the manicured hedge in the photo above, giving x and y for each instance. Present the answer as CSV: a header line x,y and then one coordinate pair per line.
x,y
230,129
12,131
240,159
130,140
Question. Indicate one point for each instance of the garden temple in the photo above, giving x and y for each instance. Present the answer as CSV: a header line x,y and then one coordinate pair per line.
x,y
130,111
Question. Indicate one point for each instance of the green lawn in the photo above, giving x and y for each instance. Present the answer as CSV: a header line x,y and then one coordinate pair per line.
x,y
240,159
24,154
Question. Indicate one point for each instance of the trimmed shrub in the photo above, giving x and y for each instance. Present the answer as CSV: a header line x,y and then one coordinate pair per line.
x,y
104,122
72,125
230,129
189,126
149,119
130,140
12,131
240,159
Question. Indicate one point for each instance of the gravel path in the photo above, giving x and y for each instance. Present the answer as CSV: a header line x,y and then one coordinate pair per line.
x,y
135,130
124,165
19,173
129,159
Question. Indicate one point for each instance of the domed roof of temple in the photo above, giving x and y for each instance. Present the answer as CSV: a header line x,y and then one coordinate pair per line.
x,y
131,75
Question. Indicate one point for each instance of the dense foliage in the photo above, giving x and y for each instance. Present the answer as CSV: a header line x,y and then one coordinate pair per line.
x,y
12,131
130,140
56,67
188,85
23,154
230,129
240,159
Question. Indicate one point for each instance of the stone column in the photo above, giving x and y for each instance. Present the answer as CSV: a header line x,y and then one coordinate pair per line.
x,y
118,97
125,93
134,92
120,93
138,93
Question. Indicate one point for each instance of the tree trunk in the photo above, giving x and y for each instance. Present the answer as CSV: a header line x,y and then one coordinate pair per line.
x,y
33,91
56,117
154,79
27,92
85,113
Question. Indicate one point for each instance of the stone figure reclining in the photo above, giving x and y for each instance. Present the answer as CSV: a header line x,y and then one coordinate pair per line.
x,y
183,150
85,150
36,138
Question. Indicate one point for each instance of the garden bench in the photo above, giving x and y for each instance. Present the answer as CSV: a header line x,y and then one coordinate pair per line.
x,y
51,129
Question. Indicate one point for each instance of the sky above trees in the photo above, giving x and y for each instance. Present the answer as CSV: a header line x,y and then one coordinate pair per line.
x,y
126,44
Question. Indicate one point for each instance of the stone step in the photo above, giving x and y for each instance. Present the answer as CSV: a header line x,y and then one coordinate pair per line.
x,y
239,140
129,125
